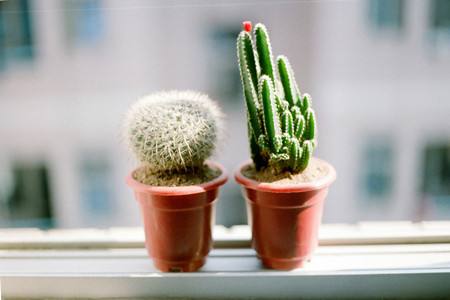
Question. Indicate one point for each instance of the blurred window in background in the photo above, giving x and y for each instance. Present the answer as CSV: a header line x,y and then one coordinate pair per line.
x,y
16,35
439,31
96,190
27,201
378,169
226,82
436,180
83,22
440,15
386,14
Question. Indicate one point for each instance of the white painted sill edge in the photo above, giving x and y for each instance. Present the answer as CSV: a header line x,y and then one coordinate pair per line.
x,y
366,260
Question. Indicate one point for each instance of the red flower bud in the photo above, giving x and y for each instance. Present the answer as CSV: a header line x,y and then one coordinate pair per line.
x,y
247,25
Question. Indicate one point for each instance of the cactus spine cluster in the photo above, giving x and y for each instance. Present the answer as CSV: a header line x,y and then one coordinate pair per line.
x,y
281,121
173,131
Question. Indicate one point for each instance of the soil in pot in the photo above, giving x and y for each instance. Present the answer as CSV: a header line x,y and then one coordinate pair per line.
x,y
316,169
192,176
178,219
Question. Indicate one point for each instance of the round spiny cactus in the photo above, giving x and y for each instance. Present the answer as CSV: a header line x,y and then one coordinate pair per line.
x,y
173,131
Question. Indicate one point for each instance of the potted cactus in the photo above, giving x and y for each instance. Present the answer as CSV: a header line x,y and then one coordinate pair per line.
x,y
172,134
284,185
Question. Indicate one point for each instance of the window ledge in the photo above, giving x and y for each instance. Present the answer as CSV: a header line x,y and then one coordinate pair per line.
x,y
365,268
364,233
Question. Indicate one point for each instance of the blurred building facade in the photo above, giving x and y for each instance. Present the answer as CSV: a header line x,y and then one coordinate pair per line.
x,y
379,73
382,74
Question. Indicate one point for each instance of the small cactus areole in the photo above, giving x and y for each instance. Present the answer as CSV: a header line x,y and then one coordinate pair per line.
x,y
247,26
281,121
173,131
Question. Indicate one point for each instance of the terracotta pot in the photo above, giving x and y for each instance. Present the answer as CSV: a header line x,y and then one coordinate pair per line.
x,y
285,219
178,221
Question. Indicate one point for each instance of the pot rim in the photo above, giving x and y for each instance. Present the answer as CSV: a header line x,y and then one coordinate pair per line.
x,y
179,190
320,183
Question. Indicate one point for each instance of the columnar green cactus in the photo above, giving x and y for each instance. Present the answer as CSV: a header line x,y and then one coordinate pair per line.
x,y
173,131
281,121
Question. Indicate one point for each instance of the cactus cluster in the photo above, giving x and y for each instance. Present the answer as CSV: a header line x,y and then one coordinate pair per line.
x,y
173,131
281,121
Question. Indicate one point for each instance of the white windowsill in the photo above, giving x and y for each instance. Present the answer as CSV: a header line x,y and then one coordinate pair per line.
x,y
365,260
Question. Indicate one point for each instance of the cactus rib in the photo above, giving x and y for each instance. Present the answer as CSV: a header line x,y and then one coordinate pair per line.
x,y
271,122
264,50
250,95
287,79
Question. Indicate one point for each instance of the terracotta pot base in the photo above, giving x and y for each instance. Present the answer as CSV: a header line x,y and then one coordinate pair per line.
x,y
174,266
285,219
178,221
284,264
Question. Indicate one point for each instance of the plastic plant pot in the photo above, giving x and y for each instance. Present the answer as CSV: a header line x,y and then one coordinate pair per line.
x,y
178,221
285,218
